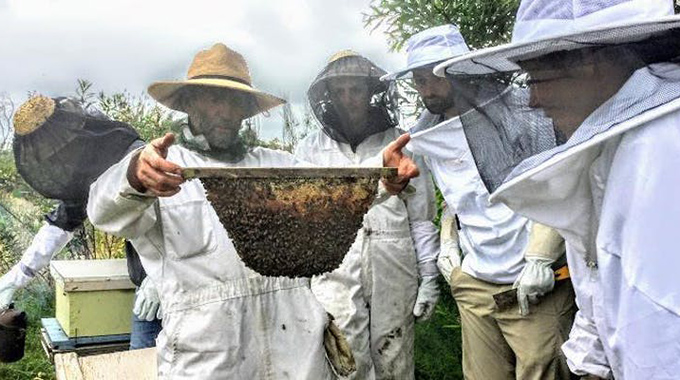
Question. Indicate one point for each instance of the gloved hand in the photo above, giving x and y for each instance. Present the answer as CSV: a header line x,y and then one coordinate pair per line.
x,y
536,279
449,254
338,350
147,303
9,283
428,294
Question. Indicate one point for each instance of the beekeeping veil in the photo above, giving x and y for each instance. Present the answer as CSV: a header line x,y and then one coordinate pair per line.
x,y
61,147
382,111
509,136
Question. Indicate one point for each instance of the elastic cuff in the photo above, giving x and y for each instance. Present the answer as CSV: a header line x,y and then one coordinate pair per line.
x,y
18,275
428,269
407,193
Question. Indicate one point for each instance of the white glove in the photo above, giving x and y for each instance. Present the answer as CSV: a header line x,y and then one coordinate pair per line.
x,y
536,279
147,303
428,294
9,283
448,260
449,254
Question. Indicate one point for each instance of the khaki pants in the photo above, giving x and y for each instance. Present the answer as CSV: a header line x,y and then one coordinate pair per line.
x,y
501,345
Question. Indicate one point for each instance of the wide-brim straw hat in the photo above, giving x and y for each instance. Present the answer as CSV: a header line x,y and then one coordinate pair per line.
x,y
218,67
430,46
545,27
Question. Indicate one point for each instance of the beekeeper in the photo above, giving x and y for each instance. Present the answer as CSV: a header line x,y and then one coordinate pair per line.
x,y
388,278
60,147
606,76
221,319
501,249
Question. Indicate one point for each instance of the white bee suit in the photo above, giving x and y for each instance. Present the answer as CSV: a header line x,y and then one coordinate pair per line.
x,y
615,199
221,320
373,293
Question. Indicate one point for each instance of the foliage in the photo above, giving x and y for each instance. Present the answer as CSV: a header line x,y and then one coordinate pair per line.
x,y
294,129
483,23
146,116
6,112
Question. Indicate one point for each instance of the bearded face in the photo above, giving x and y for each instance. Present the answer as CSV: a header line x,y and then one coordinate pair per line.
x,y
436,93
217,116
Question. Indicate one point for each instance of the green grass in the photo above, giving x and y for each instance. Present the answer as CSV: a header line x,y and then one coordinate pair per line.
x,y
438,342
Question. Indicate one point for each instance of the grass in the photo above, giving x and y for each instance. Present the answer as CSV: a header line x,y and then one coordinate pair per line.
x,y
438,341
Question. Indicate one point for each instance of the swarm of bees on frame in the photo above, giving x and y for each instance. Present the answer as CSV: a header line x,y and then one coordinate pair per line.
x,y
294,227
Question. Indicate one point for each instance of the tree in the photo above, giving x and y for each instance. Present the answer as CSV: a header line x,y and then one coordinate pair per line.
x,y
294,128
147,117
483,23
6,112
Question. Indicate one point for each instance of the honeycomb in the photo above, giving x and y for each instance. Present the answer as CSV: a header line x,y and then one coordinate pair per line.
x,y
294,227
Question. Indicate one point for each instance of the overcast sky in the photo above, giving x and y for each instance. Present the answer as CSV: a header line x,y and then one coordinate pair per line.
x,y
46,45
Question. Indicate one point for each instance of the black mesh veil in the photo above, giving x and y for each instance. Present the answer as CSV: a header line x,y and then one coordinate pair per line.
x,y
61,154
382,113
518,117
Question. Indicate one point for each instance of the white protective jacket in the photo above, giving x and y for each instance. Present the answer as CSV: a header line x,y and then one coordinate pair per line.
x,y
615,197
221,320
397,242
493,238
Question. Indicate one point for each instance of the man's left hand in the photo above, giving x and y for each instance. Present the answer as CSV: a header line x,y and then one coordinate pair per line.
x,y
394,158
147,302
428,294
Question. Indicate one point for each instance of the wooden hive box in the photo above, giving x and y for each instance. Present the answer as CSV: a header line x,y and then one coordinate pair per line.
x,y
94,297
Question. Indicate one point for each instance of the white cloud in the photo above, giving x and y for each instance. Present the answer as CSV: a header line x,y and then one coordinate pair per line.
x,y
126,45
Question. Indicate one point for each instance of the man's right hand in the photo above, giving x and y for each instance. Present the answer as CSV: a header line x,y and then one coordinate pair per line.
x,y
406,169
150,171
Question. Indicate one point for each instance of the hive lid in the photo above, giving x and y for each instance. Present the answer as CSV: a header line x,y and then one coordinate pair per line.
x,y
88,275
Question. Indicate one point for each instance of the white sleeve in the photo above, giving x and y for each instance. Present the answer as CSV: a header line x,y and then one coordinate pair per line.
x,y
45,244
116,208
421,211
584,351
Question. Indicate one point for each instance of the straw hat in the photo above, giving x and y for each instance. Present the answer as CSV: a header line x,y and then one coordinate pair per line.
x,y
217,67
548,26
431,46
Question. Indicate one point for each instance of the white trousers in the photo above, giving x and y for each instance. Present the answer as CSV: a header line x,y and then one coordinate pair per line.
x,y
371,295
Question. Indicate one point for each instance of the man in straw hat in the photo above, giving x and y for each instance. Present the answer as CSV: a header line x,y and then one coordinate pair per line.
x,y
502,250
593,149
221,320
60,147
388,278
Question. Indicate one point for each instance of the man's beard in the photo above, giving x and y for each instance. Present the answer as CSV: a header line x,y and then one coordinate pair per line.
x,y
352,123
439,105
218,136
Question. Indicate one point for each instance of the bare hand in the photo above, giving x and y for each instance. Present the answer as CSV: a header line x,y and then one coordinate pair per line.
x,y
394,158
149,170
